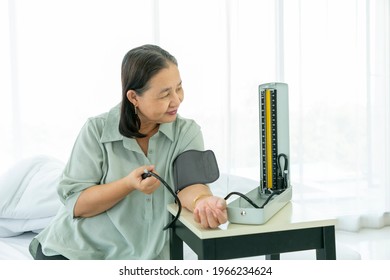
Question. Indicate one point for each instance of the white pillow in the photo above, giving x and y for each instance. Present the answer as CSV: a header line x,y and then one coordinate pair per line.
x,y
28,193
14,227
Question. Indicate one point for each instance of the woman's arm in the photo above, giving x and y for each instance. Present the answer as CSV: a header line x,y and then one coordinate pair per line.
x,y
99,198
209,210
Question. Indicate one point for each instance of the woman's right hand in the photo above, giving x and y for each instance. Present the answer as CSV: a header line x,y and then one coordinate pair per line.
x,y
147,185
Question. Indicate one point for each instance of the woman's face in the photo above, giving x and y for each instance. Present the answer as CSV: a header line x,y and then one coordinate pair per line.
x,y
160,103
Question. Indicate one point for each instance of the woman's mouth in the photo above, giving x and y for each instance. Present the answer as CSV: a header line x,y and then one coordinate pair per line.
x,y
172,113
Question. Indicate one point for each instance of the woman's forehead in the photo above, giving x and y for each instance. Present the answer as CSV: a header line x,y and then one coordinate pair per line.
x,y
166,78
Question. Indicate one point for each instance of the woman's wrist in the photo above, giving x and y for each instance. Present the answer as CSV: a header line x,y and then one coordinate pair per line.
x,y
200,197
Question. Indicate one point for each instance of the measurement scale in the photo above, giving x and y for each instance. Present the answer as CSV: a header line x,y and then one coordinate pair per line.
x,y
269,137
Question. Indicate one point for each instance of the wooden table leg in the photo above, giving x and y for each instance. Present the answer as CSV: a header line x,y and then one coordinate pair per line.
x,y
176,246
329,250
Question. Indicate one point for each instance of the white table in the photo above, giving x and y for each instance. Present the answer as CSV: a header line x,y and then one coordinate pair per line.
x,y
293,228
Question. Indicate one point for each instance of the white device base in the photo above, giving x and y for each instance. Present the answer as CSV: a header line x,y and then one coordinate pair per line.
x,y
241,212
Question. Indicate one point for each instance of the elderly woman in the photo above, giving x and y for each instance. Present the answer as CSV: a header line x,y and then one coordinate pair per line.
x,y
109,210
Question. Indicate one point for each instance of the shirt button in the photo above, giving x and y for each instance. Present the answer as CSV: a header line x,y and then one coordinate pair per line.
x,y
150,151
148,199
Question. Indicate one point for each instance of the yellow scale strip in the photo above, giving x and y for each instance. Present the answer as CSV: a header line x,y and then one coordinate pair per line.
x,y
268,142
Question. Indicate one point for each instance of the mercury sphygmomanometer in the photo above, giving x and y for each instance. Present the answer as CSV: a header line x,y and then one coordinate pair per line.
x,y
274,191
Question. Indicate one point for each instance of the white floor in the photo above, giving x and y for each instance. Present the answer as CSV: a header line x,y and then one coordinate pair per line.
x,y
371,244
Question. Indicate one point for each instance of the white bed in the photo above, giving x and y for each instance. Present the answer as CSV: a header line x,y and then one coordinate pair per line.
x,y
28,202
16,247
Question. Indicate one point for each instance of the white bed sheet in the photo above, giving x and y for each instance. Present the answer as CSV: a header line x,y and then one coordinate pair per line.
x,y
16,247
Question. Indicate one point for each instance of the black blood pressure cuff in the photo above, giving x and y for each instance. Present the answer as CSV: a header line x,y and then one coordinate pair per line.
x,y
194,167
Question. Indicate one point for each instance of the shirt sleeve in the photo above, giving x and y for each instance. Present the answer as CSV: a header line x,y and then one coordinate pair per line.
x,y
84,168
191,137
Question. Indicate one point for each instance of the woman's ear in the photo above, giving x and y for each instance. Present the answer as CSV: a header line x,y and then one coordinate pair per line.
x,y
132,96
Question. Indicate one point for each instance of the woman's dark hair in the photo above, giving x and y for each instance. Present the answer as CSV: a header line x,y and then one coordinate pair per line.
x,y
138,66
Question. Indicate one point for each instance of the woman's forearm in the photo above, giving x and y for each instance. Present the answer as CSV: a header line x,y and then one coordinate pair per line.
x,y
99,198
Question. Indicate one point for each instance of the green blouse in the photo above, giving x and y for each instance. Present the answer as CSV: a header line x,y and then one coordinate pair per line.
x,y
133,228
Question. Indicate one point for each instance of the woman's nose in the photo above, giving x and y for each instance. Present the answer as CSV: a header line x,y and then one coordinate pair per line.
x,y
177,98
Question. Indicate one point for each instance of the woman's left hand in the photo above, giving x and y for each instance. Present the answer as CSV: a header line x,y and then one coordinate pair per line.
x,y
210,212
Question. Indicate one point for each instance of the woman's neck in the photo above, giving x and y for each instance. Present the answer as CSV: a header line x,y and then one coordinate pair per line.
x,y
149,130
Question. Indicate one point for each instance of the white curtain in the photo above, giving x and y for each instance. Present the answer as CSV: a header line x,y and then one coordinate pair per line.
x,y
60,64
337,64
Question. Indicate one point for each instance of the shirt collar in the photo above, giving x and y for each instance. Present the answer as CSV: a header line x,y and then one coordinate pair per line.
x,y
167,130
111,128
